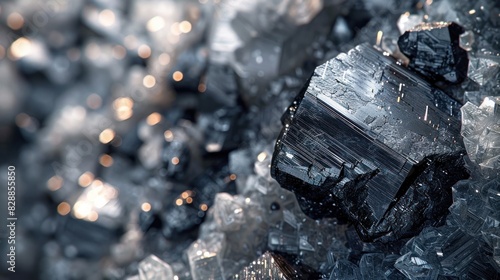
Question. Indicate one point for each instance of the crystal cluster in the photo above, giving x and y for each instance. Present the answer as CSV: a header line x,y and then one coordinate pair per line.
x,y
368,141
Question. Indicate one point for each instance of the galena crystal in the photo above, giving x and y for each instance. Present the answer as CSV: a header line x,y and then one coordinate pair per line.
x,y
152,268
481,132
434,51
372,142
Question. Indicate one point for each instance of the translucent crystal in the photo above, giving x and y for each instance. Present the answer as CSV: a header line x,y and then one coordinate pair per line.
x,y
344,269
445,251
370,266
152,268
482,70
481,132
228,214
203,258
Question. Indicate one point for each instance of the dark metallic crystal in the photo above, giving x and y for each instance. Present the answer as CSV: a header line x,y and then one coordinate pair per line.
x,y
371,141
434,51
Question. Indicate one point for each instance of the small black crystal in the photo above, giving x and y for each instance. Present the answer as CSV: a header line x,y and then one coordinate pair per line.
x,y
434,51
373,142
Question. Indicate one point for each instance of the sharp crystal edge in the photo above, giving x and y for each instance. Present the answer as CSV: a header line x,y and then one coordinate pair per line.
x,y
372,142
434,51
153,268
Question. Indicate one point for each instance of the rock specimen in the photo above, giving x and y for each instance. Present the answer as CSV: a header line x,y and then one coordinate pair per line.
x,y
434,51
372,142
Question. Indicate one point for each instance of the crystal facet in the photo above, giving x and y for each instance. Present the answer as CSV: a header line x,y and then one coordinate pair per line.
x,y
373,142
152,268
434,51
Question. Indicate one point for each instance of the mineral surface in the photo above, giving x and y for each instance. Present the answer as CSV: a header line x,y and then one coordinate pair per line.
x,y
481,132
434,51
372,142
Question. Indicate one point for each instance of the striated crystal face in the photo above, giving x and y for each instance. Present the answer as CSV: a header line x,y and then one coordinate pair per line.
x,y
369,141
152,268
434,51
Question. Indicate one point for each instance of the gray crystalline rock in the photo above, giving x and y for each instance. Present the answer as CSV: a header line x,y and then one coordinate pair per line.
x,y
446,251
264,39
372,142
344,269
481,132
153,268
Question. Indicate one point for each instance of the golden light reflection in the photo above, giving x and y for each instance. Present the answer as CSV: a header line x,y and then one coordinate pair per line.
x,y
153,119
93,216
155,24
63,208
232,177
146,207
106,136
85,179
20,48
55,183
144,51
202,87
82,209
149,81
185,195
178,202
97,199
15,21
106,160
178,76
379,37
189,200
203,207
175,160
107,18
123,108
262,156
185,27
164,59
169,135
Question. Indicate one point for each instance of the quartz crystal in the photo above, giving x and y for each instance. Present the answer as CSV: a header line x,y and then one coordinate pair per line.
x,y
445,251
434,51
481,132
152,268
372,142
